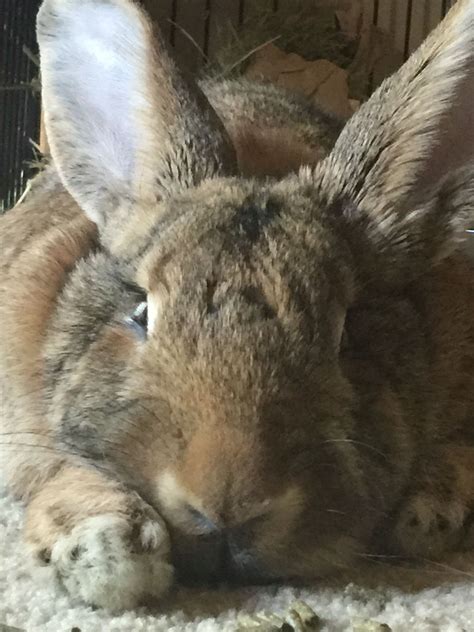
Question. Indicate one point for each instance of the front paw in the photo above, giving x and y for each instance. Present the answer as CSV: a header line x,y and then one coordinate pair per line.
x,y
113,562
427,527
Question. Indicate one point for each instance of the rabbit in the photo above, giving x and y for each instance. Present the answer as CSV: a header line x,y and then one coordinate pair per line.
x,y
237,336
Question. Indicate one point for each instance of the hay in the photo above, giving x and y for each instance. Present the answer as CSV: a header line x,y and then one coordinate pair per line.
x,y
300,618
310,31
313,31
38,163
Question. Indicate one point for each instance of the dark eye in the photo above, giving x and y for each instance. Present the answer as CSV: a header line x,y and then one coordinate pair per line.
x,y
139,319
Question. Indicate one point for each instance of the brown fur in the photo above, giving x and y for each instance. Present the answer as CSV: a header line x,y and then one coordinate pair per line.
x,y
306,390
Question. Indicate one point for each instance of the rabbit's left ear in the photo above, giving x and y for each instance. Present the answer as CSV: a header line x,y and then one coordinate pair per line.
x,y
404,162
123,123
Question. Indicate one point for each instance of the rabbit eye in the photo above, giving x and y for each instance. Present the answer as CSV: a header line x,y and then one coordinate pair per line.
x,y
139,319
140,315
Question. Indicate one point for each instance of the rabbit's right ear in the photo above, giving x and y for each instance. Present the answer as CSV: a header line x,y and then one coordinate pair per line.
x,y
402,170
392,145
122,122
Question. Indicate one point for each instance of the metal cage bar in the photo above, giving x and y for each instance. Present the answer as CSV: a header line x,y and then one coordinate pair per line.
x,y
19,101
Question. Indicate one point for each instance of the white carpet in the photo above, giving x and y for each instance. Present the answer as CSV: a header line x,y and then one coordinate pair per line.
x,y
438,598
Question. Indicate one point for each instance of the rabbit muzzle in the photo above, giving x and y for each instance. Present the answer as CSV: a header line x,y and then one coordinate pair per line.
x,y
223,556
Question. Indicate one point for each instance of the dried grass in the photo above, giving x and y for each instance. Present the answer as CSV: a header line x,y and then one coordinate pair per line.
x,y
310,30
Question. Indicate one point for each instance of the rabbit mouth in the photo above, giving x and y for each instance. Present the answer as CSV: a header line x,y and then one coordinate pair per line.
x,y
218,559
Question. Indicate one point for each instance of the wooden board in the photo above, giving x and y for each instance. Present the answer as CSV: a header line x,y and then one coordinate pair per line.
x,y
405,23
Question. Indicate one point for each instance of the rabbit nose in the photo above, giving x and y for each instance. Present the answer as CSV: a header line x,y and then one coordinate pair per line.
x,y
223,554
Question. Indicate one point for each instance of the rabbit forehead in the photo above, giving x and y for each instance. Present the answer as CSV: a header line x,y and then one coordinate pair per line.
x,y
242,223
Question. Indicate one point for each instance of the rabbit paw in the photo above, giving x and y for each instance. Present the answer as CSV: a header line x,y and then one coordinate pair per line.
x,y
428,527
109,562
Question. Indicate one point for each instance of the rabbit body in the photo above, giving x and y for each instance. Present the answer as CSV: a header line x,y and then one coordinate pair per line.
x,y
300,389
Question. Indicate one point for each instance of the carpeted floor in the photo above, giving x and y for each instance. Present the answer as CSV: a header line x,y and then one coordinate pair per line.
x,y
439,597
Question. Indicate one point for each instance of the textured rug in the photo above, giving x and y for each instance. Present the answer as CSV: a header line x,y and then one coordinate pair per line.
x,y
436,597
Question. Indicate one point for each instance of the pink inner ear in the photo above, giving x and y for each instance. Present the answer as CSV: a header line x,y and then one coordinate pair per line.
x,y
456,145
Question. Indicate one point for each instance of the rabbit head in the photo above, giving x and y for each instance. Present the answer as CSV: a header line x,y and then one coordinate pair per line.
x,y
207,338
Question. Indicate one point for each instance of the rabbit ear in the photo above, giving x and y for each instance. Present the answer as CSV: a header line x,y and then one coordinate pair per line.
x,y
121,120
387,149
392,248
390,160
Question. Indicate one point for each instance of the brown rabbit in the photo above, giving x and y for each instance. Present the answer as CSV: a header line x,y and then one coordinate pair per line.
x,y
224,377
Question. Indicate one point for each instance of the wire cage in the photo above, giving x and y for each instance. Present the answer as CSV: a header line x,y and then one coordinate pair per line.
x,y
19,97
194,30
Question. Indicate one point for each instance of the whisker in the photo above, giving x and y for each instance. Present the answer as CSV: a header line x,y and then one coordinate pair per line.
x,y
380,555
380,562
33,446
387,560
355,442
69,444
30,432
445,567
20,448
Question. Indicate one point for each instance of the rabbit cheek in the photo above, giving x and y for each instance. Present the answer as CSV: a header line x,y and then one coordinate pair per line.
x,y
317,544
331,555
302,539
90,417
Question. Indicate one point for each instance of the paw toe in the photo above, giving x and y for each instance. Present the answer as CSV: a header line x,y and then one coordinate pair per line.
x,y
110,563
425,528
